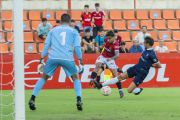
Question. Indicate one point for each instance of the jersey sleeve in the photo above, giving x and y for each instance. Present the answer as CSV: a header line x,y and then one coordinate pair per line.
x,y
103,13
50,26
116,47
154,58
47,44
77,45
136,37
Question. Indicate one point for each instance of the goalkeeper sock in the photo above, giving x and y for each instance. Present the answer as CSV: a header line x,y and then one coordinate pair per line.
x,y
98,79
118,84
77,88
38,86
136,90
111,81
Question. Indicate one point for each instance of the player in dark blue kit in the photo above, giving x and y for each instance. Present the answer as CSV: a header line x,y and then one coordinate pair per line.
x,y
138,71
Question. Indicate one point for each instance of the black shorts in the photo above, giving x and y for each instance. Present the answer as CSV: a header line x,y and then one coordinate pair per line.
x,y
138,77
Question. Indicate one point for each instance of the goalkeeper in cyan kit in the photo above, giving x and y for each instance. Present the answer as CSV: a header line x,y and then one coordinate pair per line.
x,y
61,39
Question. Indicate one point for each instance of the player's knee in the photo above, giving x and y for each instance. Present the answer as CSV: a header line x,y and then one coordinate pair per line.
x,y
45,77
129,90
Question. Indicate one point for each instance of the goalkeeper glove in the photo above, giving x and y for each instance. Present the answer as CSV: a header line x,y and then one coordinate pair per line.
x,y
81,67
40,66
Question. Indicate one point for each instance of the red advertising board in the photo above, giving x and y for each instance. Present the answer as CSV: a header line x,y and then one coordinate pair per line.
x,y
167,76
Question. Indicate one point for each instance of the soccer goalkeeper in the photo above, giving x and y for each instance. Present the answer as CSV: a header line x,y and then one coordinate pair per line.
x,y
61,39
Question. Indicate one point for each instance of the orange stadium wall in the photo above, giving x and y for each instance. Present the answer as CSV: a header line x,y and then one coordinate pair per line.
x,y
105,4
167,76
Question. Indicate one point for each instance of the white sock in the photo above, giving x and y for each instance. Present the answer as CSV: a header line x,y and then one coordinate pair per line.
x,y
111,81
136,90
120,89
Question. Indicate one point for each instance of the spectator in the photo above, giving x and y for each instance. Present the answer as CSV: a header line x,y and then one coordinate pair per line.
x,y
161,48
72,24
57,23
117,37
43,29
123,48
136,48
97,19
99,40
141,35
88,42
86,19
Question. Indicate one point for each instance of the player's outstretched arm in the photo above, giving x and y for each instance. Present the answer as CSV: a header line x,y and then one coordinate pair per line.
x,y
44,52
78,53
158,65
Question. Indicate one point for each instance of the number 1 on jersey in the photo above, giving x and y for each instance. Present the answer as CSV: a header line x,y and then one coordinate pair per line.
x,y
63,35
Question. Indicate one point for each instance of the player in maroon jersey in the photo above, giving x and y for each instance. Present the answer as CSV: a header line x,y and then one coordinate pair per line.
x,y
98,22
86,19
117,37
110,53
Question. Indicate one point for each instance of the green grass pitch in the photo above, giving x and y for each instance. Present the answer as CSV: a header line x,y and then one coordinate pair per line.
x,y
151,104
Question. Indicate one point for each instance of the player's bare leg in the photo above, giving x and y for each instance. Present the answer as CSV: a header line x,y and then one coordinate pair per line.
x,y
94,73
36,90
77,88
132,89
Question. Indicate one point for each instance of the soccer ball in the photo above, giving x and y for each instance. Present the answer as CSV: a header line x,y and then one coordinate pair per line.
x,y
106,90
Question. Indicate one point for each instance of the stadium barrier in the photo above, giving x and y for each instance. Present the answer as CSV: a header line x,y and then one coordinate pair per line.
x,y
167,76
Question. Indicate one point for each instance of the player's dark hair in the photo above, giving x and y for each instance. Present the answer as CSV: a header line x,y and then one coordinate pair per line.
x,y
86,6
144,26
110,33
149,40
72,20
44,19
101,30
65,18
87,30
96,4
123,43
58,21
115,31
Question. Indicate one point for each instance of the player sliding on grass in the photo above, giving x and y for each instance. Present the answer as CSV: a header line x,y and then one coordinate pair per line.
x,y
61,39
139,71
110,53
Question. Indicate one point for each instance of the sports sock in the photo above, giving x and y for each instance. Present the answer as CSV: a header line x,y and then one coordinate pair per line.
x,y
120,89
111,81
118,84
93,75
98,79
77,88
38,86
136,90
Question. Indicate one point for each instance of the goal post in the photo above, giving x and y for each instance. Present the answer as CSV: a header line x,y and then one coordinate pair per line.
x,y
19,60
